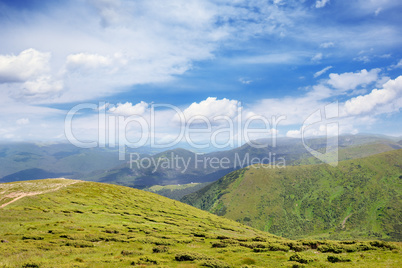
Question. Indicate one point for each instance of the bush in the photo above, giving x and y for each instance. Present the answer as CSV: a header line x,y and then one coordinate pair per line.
x,y
219,245
215,264
278,247
30,265
160,249
190,256
297,257
382,244
32,237
330,248
79,244
334,259
296,246
126,253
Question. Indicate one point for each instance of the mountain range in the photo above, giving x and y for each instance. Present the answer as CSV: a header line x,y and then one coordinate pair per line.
x,y
359,198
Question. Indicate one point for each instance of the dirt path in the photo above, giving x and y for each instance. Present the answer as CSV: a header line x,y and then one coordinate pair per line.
x,y
344,221
18,195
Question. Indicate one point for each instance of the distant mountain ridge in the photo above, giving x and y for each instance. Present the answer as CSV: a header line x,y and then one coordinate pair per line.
x,y
201,168
25,161
359,198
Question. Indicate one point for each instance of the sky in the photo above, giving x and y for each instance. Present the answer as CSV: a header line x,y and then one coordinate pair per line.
x,y
198,71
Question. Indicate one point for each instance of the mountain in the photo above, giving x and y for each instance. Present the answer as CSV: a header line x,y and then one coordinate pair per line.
x,y
172,167
180,166
23,161
359,198
70,223
176,192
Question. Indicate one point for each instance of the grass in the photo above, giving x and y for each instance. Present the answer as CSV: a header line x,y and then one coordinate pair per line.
x,y
89,224
359,198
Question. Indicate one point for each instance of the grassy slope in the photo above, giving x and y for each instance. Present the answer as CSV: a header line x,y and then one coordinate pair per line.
x,y
90,224
176,192
313,200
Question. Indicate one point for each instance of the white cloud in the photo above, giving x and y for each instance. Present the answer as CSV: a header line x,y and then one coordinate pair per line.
x,y
245,81
29,64
327,45
128,109
317,57
348,81
212,107
388,99
86,60
22,121
319,73
321,3
293,134
398,65
40,86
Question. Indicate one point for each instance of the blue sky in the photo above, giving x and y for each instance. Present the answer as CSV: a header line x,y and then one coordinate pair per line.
x,y
206,57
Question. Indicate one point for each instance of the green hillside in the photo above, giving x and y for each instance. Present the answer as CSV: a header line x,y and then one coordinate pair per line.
x,y
359,198
177,191
66,223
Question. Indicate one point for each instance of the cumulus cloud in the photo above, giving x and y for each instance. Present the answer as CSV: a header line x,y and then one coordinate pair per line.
x,y
86,60
40,86
321,3
27,65
128,109
211,108
293,134
388,99
348,81
319,73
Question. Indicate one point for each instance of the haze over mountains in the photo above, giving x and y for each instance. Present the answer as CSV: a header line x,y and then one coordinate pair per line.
x,y
183,166
176,166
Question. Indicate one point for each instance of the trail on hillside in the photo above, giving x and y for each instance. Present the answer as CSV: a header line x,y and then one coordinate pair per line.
x,y
344,221
20,194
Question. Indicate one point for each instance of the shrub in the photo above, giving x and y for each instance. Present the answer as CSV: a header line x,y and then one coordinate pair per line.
x,y
126,253
330,248
334,259
313,244
219,245
382,244
278,247
32,237
296,246
190,256
297,257
111,231
30,265
160,249
199,234
79,244
215,264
